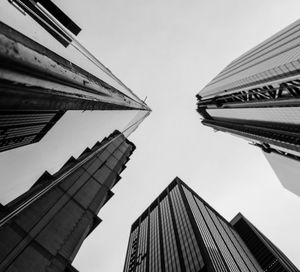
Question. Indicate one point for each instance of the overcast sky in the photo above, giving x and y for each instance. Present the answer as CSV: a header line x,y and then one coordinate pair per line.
x,y
166,50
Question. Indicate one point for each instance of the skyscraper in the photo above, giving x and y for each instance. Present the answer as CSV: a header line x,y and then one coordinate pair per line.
x,y
43,229
19,128
38,85
179,231
257,97
269,257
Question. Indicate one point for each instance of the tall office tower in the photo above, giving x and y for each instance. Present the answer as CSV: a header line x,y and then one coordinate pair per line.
x,y
19,128
43,229
181,232
269,257
38,85
257,97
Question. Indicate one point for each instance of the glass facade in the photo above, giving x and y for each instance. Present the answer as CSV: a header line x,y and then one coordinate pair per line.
x,y
75,52
224,250
165,232
285,115
142,246
257,97
59,211
155,250
190,249
269,257
73,78
22,128
180,232
169,241
274,58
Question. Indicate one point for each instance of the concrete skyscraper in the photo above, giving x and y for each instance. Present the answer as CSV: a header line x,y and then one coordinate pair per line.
x,y
38,85
43,229
179,231
257,97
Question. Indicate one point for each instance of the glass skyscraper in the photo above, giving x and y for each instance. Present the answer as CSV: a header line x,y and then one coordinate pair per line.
x,y
43,229
40,81
269,257
179,231
257,97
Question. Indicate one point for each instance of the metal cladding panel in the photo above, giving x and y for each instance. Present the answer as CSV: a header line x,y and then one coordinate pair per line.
x,y
277,57
22,128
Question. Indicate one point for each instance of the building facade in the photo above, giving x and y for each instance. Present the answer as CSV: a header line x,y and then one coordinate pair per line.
x,y
269,257
19,128
43,229
179,231
38,84
257,96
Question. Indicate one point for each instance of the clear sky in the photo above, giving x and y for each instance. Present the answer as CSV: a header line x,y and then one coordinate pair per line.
x,y
167,50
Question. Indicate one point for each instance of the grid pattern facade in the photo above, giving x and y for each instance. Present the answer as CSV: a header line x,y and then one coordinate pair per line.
x,y
185,234
168,243
155,250
225,251
269,257
23,128
47,234
190,249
